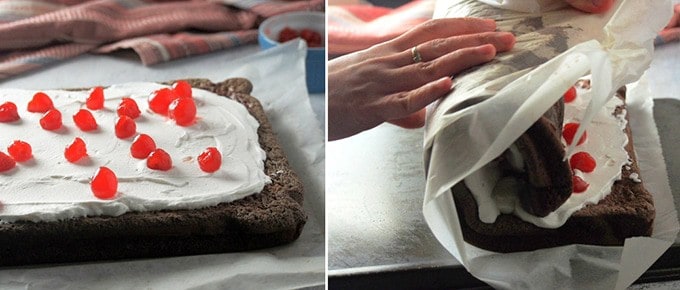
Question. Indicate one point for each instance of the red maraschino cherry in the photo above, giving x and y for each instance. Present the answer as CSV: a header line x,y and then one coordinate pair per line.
x,y
183,111
84,120
8,112
582,161
569,131
182,89
128,107
104,183
160,100
570,95
6,162
125,127
76,151
313,38
20,151
579,185
40,103
210,160
159,160
287,34
96,99
51,120
142,146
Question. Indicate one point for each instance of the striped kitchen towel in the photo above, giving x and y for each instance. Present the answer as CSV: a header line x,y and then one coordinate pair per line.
x,y
36,33
355,27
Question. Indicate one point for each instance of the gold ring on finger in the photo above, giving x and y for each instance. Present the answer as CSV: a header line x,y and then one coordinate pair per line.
x,y
415,55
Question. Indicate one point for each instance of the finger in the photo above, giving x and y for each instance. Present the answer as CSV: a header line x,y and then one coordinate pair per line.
x,y
441,28
675,19
413,76
403,104
502,41
413,121
670,34
592,6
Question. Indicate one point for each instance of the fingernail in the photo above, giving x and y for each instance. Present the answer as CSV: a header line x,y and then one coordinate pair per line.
x,y
487,49
504,34
506,38
490,24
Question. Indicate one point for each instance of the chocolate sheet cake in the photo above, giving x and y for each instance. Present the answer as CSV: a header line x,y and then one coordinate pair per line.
x,y
272,217
626,212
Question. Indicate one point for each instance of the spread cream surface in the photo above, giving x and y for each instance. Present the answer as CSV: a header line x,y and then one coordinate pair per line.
x,y
605,142
49,188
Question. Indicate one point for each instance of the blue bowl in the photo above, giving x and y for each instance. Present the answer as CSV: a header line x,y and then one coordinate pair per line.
x,y
315,63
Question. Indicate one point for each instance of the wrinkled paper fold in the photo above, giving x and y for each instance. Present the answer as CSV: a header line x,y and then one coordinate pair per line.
x,y
492,105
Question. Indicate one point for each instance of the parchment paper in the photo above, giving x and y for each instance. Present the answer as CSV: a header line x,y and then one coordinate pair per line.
x,y
279,83
526,6
493,105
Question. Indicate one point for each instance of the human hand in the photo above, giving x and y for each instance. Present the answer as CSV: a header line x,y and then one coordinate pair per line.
x,y
384,83
672,30
592,6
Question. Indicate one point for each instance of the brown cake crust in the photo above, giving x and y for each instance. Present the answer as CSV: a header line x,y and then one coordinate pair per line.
x,y
272,217
547,174
626,212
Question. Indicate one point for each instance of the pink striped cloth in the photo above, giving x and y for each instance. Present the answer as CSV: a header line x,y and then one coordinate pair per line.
x,y
36,33
355,27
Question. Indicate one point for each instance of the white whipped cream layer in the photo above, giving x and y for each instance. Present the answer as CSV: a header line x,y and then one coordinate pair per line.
x,y
605,142
49,188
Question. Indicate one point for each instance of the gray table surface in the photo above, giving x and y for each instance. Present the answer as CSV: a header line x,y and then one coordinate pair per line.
x,y
375,183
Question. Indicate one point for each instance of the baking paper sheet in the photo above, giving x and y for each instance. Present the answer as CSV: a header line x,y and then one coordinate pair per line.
x,y
279,83
526,6
494,104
